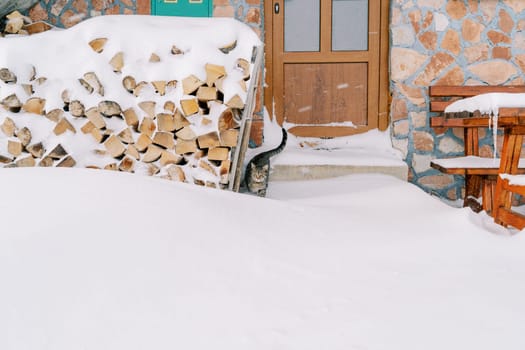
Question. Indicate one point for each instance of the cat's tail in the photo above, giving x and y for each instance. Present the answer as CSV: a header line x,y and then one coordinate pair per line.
x,y
281,146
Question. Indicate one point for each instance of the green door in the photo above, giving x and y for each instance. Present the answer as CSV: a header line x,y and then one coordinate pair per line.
x,y
189,8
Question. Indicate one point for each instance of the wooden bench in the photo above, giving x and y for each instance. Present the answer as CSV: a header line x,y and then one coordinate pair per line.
x,y
504,214
480,173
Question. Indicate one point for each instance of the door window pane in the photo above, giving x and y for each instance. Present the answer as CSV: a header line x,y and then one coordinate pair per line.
x,y
301,25
349,25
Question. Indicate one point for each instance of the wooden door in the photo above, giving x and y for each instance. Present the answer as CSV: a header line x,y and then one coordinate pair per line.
x,y
328,65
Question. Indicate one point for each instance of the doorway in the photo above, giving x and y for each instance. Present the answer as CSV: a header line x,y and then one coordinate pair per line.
x,y
327,65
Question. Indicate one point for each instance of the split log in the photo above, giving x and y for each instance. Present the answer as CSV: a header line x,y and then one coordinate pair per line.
x,y
208,140
12,103
165,122
14,26
114,146
14,148
168,158
88,127
131,118
126,136
67,162
28,88
176,51
24,135
148,107
8,127
138,89
86,85
132,152
37,27
214,72
160,87
28,161
208,167
66,98
58,152
228,120
126,164
153,169
152,154
76,108
109,109
190,84
129,84
244,66
180,120
184,147
111,167
37,150
147,126
205,93
189,106
243,85
224,171
164,139
235,102
143,142
186,134
154,58
218,153
7,76
230,137
117,62
95,117
98,44
55,115
46,162
92,79
5,160
228,48
176,173
170,106
62,126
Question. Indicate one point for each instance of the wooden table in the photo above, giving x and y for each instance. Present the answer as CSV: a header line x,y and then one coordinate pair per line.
x,y
512,121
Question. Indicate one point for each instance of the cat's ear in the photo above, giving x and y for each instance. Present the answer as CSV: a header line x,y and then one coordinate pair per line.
x,y
265,167
253,166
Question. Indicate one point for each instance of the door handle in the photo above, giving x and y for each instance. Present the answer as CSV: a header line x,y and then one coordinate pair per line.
x,y
276,8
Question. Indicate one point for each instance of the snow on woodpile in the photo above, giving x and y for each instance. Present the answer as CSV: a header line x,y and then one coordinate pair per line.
x,y
152,95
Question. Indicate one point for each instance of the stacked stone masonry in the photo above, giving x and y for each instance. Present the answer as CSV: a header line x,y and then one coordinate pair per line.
x,y
439,42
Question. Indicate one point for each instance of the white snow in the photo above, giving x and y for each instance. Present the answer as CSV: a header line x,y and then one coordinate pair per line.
x,y
489,103
472,162
93,259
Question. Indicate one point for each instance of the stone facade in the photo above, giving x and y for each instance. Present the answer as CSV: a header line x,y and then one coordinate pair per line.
x,y
467,42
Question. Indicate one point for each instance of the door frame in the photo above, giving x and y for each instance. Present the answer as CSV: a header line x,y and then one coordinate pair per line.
x,y
382,83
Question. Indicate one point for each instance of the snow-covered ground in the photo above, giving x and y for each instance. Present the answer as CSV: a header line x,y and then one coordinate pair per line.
x,y
92,259
103,260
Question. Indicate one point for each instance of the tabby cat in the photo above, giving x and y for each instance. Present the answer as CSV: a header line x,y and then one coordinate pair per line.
x,y
258,169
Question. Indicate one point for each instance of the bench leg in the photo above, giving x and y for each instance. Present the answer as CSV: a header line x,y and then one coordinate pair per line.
x,y
473,184
489,188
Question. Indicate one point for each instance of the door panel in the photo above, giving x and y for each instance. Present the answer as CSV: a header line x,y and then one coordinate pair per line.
x,y
323,93
325,65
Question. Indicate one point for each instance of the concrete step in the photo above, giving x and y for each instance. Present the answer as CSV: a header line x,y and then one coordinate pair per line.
x,y
283,172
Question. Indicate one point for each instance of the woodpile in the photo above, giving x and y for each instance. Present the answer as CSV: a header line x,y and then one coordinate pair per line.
x,y
188,139
16,23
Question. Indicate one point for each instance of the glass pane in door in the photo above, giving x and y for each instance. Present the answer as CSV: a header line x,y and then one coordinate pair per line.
x,y
349,25
301,25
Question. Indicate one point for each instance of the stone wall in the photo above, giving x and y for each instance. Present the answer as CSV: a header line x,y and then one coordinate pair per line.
x,y
465,42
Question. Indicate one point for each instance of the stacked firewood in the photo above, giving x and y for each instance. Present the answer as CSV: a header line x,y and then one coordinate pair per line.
x,y
16,23
183,140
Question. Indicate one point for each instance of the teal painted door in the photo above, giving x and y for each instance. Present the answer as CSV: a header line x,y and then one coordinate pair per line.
x,y
189,8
